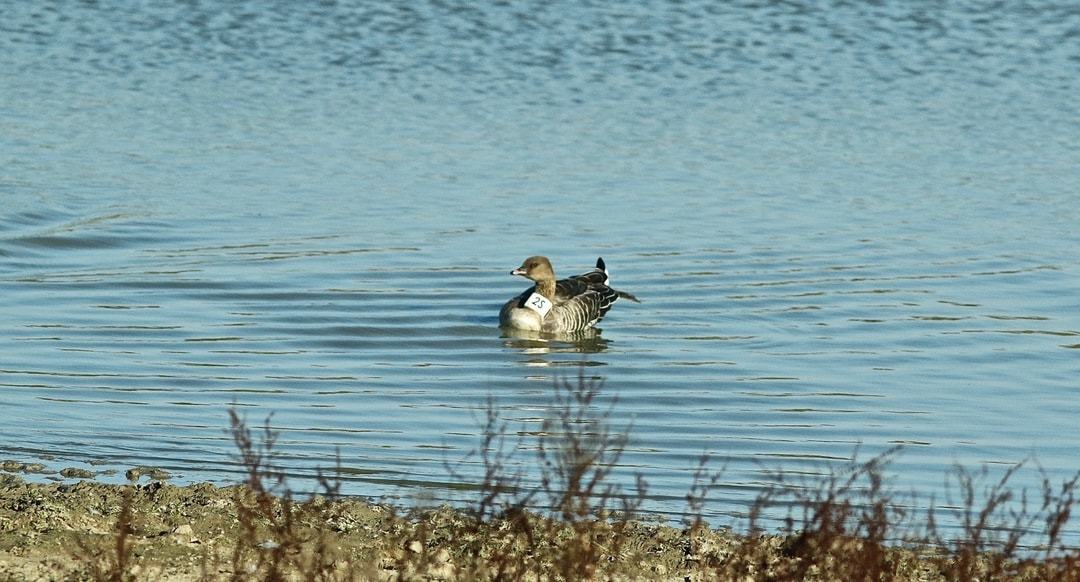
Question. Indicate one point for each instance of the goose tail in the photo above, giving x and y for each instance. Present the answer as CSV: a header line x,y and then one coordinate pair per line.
x,y
602,267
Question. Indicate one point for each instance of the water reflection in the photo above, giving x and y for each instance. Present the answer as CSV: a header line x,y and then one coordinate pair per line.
x,y
587,341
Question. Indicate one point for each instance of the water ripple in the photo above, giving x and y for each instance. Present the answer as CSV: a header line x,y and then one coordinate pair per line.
x,y
848,222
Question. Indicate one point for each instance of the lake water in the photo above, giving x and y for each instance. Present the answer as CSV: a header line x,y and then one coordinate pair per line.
x,y
849,223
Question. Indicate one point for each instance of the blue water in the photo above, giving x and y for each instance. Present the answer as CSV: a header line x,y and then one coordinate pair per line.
x,y
851,224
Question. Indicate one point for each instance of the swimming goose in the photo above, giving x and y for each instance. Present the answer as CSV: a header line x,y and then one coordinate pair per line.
x,y
571,304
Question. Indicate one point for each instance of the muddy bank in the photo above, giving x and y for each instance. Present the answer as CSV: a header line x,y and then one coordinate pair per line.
x,y
157,531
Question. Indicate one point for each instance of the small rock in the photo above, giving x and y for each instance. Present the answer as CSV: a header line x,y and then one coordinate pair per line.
x,y
76,473
185,535
159,474
155,473
35,468
415,547
442,556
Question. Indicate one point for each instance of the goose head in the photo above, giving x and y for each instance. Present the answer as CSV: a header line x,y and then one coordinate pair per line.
x,y
536,269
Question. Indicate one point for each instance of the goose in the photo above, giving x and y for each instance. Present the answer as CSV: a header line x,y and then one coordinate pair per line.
x,y
565,305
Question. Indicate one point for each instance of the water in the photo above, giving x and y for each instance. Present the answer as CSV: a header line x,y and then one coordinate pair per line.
x,y
851,224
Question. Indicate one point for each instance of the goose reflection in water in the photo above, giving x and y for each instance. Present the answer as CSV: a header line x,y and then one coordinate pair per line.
x,y
587,341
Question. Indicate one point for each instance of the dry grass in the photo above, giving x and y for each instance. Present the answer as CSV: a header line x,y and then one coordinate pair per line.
x,y
576,522
282,539
566,526
113,564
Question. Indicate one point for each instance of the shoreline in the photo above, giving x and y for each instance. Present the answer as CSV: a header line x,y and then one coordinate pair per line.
x,y
574,524
63,531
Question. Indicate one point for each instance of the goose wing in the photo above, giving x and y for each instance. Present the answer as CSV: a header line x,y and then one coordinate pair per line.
x,y
584,299
587,308
571,287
